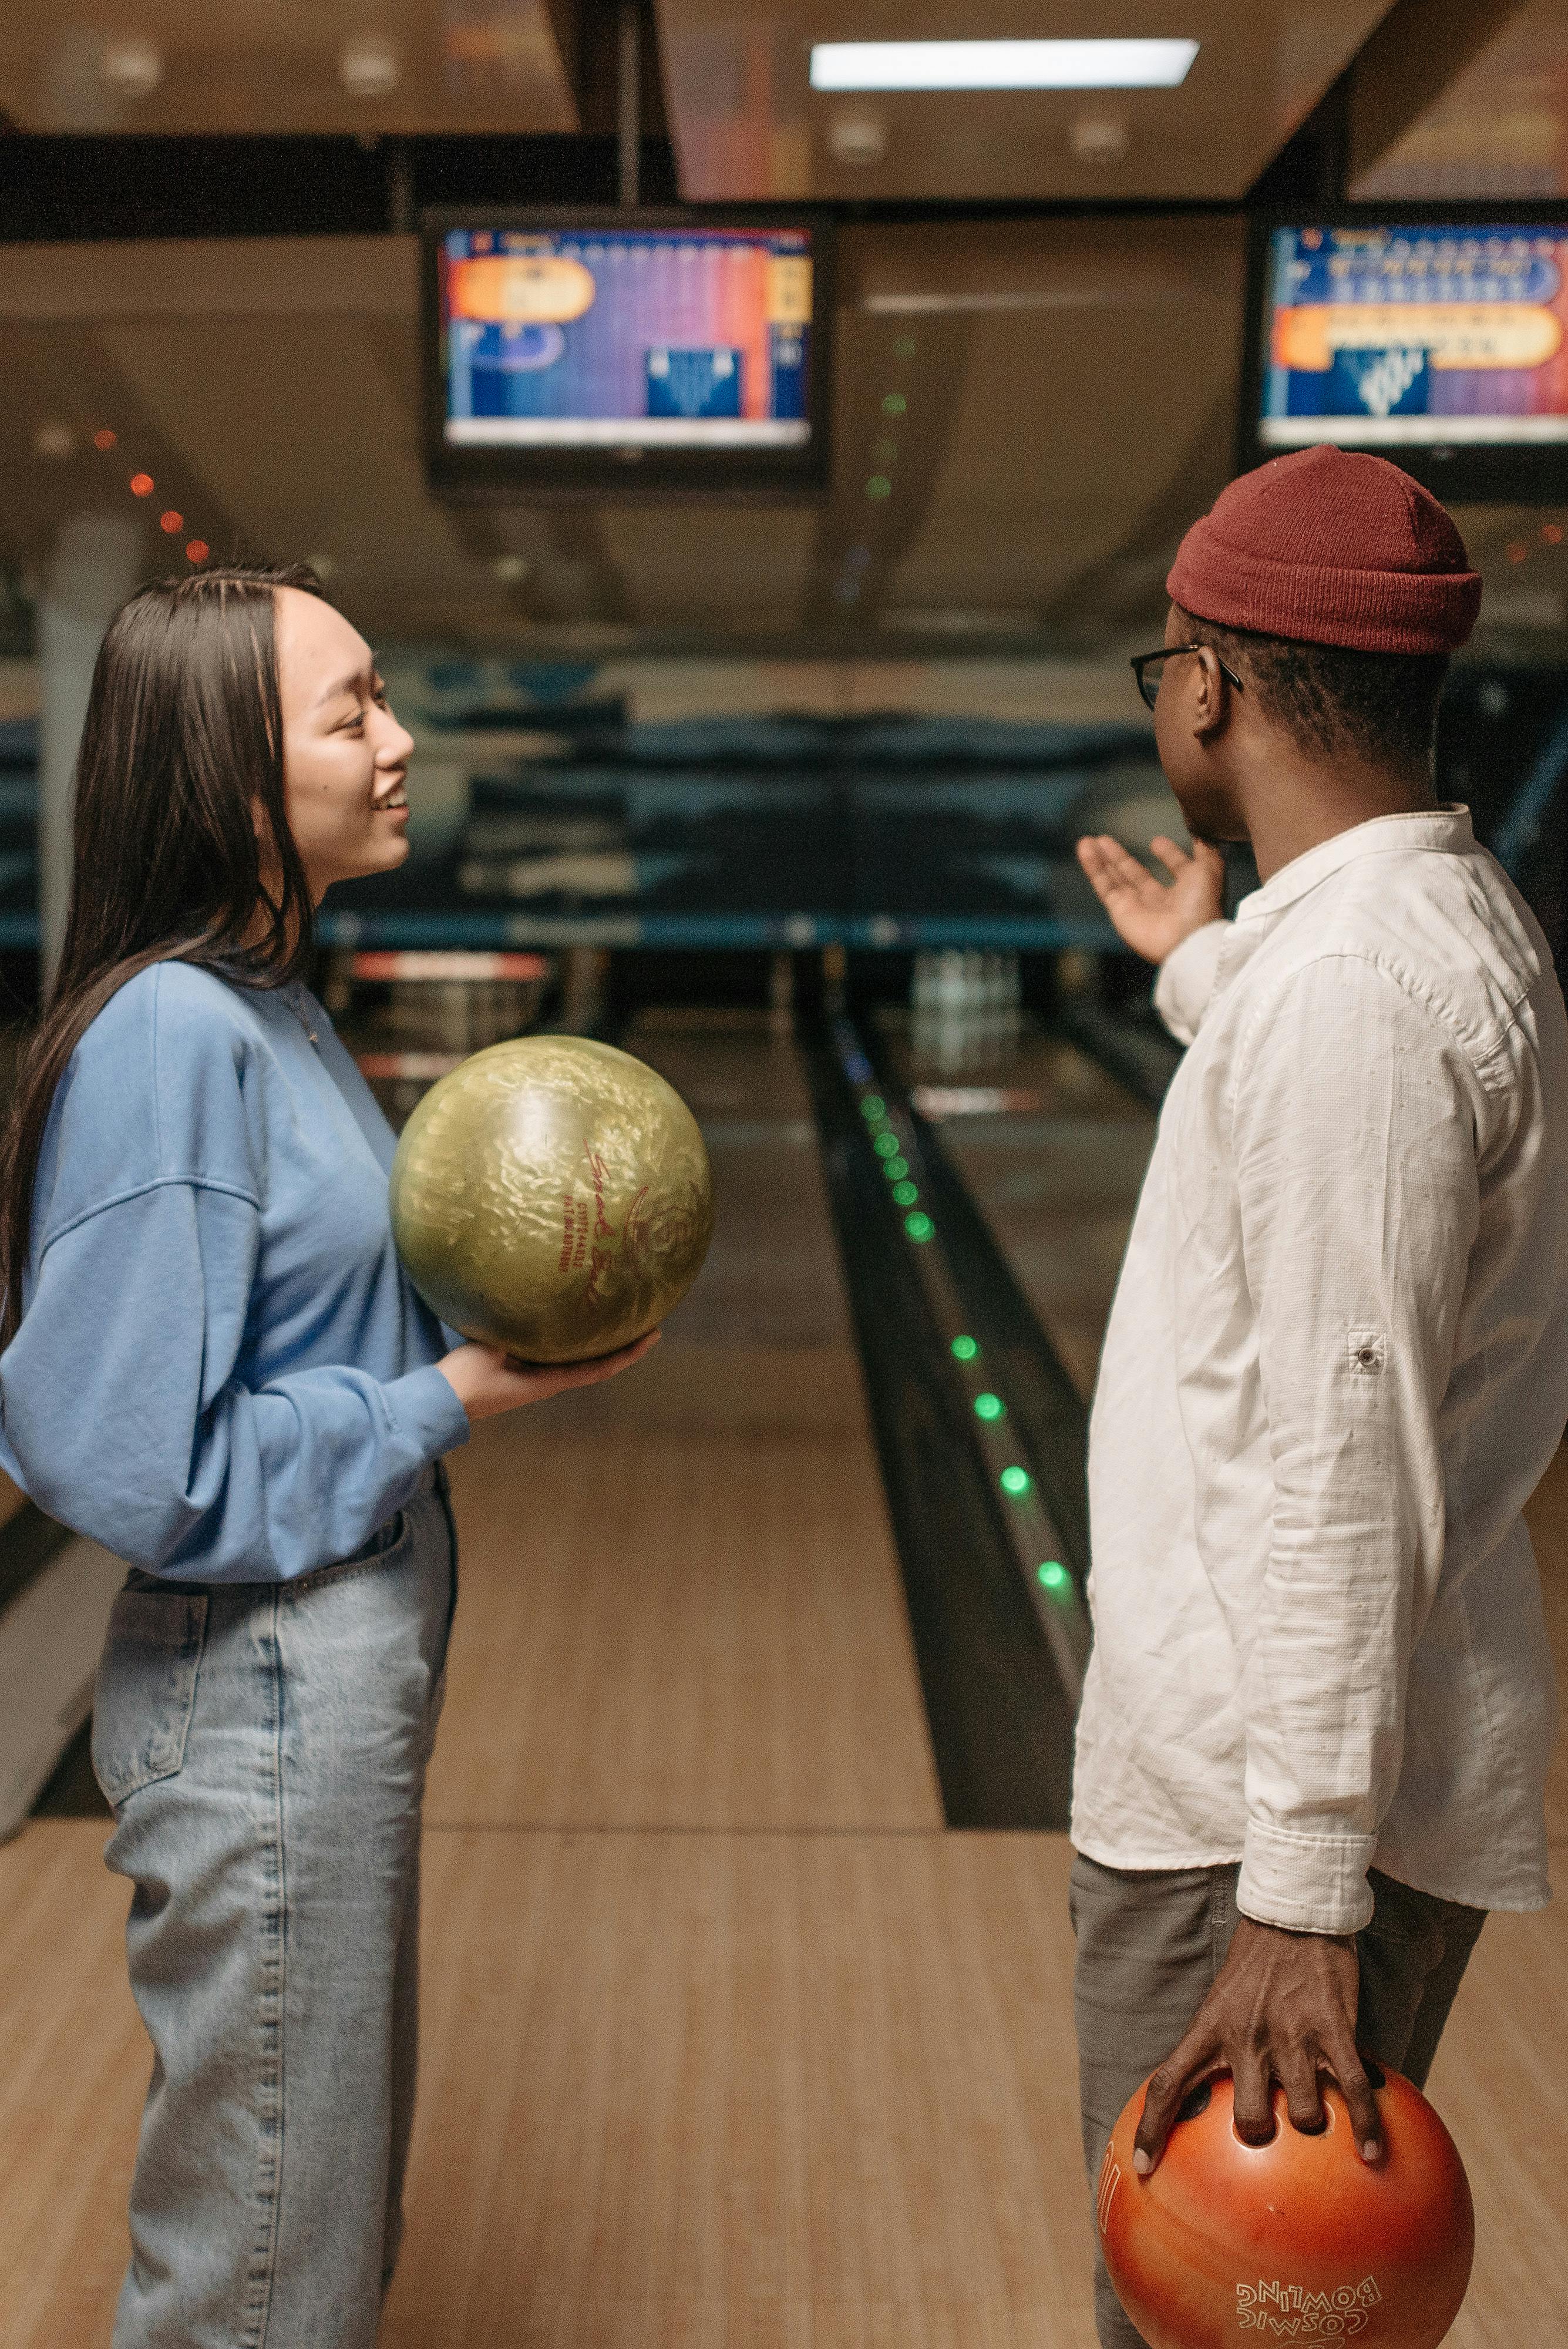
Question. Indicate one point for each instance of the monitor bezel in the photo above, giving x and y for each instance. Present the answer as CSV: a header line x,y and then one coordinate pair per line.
x,y
525,476
1463,474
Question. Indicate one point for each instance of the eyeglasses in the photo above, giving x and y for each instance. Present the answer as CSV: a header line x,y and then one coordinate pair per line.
x,y
1146,668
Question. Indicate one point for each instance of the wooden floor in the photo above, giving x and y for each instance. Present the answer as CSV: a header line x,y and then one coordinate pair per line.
x,y
728,2041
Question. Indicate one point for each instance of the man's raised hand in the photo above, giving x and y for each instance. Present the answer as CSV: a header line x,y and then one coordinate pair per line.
x,y
1154,916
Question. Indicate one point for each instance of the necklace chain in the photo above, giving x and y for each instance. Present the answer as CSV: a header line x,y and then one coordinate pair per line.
x,y
294,997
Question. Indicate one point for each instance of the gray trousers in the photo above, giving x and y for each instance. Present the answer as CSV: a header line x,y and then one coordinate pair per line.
x,y
1149,1944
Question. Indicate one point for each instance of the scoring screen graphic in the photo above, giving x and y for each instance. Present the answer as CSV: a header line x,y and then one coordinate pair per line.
x,y
1405,336
674,338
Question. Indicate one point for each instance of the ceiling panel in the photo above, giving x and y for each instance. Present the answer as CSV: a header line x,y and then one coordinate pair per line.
x,y
249,66
746,123
1025,416
1085,375
268,389
1501,129
713,569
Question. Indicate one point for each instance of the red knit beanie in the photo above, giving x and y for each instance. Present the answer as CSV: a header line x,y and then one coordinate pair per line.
x,y
1332,547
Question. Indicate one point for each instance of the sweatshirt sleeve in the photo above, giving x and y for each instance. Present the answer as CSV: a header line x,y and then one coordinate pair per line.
x,y
128,1401
1354,1125
1186,979
127,1422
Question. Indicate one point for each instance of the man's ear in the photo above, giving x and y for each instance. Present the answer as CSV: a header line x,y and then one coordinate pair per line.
x,y
1212,694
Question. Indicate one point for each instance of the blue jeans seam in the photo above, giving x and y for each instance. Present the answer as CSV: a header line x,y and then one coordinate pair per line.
x,y
271,2015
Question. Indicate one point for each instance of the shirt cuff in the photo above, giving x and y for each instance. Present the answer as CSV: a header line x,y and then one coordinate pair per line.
x,y
424,1407
1186,979
1308,1884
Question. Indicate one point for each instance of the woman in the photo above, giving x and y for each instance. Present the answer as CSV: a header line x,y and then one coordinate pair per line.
x,y
216,1367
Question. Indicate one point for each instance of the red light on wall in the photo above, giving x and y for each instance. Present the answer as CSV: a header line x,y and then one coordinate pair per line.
x,y
105,439
171,521
141,485
1518,550
1552,531
198,551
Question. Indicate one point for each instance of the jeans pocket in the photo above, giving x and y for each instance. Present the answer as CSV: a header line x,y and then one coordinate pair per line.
x,y
146,1689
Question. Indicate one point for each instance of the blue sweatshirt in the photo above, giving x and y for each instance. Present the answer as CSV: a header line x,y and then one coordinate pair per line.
x,y
222,1372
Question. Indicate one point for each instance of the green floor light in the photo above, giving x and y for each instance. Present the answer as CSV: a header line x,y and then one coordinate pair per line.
x,y
919,1227
873,1107
886,1145
1015,1481
1054,1576
895,1169
905,1193
965,1348
989,1406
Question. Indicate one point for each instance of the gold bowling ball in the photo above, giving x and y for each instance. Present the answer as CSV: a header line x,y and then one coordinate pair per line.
x,y
552,1195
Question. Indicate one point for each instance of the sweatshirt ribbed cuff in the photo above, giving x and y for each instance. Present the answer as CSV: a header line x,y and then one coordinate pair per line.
x,y
1186,979
425,1408
1309,1884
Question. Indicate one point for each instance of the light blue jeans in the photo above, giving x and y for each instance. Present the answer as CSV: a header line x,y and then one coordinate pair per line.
x,y
264,1747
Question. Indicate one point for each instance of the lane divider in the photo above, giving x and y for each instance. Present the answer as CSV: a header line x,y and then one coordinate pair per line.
x,y
976,1366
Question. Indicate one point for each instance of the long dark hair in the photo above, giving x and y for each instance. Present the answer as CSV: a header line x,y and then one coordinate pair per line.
x,y
181,752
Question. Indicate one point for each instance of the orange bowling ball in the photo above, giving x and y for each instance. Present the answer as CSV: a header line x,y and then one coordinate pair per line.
x,y
1298,2241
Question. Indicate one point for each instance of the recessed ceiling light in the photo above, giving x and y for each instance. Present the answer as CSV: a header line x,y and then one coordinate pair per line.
x,y
1001,65
368,66
857,138
1096,140
131,65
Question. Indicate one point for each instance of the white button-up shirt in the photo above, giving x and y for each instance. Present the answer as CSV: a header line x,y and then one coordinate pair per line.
x,y
1336,1367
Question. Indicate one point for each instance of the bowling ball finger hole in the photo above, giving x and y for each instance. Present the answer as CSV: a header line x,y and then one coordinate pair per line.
x,y
1376,2076
1256,2144
1197,2100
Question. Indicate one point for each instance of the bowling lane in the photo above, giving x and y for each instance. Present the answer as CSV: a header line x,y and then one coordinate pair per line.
x,y
727,2040
681,1605
1053,1151
1548,1516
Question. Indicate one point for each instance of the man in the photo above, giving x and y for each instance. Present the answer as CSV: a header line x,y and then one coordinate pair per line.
x,y
1315,1735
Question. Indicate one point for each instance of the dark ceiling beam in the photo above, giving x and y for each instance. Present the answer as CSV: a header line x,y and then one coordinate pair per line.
x,y
1403,68
597,62
1399,72
65,187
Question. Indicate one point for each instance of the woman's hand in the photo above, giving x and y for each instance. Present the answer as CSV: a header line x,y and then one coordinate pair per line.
x,y
486,1379
1151,916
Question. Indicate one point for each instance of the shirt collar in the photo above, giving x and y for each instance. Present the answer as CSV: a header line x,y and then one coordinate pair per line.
x,y
1447,830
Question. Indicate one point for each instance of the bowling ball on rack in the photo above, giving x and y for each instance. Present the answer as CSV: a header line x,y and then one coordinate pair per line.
x,y
1298,2240
552,1195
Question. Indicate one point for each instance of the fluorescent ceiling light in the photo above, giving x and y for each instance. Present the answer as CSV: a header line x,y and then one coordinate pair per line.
x,y
1001,65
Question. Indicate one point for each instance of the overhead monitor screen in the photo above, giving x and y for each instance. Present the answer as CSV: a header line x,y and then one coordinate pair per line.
x,y
1420,336
600,343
